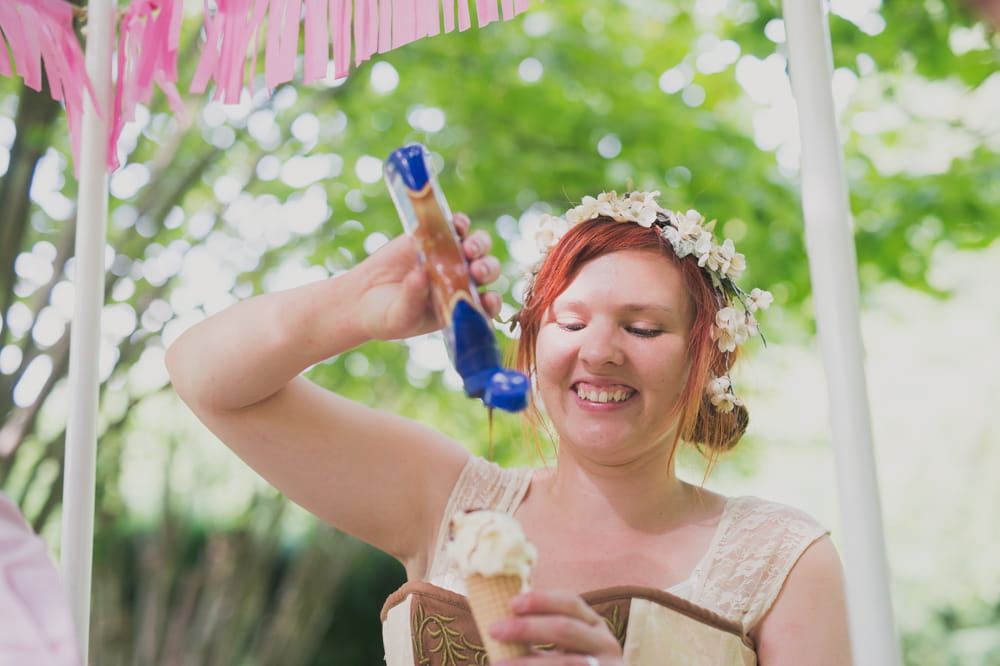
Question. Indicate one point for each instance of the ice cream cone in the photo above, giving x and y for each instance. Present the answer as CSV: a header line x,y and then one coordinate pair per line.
x,y
489,597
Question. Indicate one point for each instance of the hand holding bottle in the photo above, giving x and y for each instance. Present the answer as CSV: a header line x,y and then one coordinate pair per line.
x,y
395,301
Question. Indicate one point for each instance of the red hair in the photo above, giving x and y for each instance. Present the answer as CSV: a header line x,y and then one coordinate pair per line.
x,y
700,422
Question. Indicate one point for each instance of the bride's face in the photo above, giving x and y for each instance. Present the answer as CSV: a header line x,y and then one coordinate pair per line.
x,y
612,356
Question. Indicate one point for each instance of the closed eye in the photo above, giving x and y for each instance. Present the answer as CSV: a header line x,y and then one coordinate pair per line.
x,y
571,327
644,332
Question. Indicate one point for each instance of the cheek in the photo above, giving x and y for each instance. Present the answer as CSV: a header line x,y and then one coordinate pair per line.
x,y
674,368
553,357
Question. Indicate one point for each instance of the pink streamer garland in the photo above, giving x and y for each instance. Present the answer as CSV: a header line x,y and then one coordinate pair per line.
x,y
378,26
147,54
38,34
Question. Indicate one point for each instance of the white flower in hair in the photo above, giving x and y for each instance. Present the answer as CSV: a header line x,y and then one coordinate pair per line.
x,y
724,259
644,208
550,230
759,300
590,208
690,224
720,394
688,235
731,329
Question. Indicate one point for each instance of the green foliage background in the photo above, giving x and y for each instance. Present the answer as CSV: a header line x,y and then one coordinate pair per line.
x,y
255,582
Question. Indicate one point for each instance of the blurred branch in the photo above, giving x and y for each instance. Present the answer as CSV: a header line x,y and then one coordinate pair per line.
x,y
36,118
21,420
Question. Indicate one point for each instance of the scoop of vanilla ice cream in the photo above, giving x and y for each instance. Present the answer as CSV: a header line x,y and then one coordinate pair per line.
x,y
489,543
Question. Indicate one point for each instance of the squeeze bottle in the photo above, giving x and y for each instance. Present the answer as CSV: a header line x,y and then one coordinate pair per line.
x,y
470,338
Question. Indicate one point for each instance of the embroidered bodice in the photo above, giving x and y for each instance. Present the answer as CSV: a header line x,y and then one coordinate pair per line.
x,y
755,546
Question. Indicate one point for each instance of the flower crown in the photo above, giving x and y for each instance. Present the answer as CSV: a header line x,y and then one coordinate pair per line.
x,y
688,234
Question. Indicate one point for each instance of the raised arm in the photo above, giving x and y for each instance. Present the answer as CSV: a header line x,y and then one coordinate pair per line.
x,y
378,476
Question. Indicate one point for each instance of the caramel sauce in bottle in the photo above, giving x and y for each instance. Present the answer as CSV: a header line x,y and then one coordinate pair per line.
x,y
441,253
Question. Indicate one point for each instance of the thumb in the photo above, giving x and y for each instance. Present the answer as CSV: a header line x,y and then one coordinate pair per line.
x,y
416,285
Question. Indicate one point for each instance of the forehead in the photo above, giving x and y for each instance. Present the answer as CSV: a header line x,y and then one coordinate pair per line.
x,y
629,278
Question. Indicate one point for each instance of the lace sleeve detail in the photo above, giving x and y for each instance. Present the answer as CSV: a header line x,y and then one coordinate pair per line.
x,y
481,485
757,545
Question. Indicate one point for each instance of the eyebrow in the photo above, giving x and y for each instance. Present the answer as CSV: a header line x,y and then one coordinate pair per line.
x,y
628,307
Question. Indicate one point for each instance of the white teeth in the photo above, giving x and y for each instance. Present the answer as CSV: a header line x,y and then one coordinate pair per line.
x,y
603,395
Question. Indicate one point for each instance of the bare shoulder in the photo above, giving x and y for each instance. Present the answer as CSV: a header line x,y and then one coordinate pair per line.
x,y
807,625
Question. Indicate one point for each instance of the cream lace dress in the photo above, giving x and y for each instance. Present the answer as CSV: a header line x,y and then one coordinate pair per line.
x,y
737,580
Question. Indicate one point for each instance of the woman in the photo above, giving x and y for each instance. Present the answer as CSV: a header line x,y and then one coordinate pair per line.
x,y
630,326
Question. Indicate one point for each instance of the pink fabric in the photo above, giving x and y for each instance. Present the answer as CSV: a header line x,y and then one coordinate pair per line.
x,y
149,34
35,623
40,32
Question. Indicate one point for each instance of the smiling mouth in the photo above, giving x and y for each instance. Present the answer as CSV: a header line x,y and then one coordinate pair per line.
x,y
605,394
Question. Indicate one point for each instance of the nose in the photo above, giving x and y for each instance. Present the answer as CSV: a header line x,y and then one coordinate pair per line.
x,y
601,346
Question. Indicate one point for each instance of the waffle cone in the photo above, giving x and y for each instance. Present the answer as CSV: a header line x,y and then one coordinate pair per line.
x,y
489,597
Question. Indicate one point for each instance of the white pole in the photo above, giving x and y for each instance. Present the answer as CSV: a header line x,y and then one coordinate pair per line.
x,y
88,277
833,269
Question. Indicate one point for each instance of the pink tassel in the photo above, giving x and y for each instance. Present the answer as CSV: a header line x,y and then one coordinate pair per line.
x,y
228,34
282,41
404,22
149,34
428,18
449,15
340,31
317,40
365,30
27,58
486,11
464,20
384,25
40,32
5,67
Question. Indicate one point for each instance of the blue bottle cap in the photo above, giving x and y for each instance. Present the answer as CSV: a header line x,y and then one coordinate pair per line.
x,y
507,390
410,162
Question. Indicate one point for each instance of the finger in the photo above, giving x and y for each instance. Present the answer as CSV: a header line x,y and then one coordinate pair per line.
x,y
565,634
555,602
492,303
462,223
477,244
485,269
548,659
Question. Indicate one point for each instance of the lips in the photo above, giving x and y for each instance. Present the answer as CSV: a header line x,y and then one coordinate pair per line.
x,y
603,394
